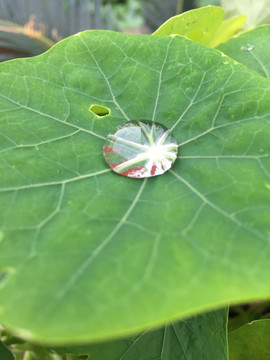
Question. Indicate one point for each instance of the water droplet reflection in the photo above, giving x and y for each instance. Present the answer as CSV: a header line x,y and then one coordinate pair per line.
x,y
140,149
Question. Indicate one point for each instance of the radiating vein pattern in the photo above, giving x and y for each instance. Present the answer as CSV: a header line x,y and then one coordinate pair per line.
x,y
140,149
105,255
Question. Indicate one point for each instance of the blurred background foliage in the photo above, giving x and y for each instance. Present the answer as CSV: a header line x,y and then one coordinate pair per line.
x,y
30,27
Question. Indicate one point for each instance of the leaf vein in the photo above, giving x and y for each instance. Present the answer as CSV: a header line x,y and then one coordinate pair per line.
x,y
53,118
217,208
53,183
159,80
106,80
101,246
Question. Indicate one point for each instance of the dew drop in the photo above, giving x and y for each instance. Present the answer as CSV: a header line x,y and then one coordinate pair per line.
x,y
140,149
247,47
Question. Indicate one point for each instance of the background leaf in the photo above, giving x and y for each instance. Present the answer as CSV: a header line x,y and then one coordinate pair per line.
x,y
96,255
227,29
251,48
251,341
16,41
203,25
5,354
203,334
198,25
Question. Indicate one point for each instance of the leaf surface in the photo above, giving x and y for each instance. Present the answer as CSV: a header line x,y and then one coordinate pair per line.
x,y
251,341
204,334
251,48
88,254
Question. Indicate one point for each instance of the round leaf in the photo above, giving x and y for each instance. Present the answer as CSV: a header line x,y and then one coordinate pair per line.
x,y
88,254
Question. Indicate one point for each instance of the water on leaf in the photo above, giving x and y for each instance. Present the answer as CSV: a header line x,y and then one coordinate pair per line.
x,y
247,47
140,149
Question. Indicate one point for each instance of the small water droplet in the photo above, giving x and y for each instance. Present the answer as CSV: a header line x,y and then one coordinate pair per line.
x,y
140,149
247,47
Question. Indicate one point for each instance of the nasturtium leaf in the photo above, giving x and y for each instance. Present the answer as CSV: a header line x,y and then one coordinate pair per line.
x,y
227,29
251,48
199,24
203,335
94,255
203,25
251,341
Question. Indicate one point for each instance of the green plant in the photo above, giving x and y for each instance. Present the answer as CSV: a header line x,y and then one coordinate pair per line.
x,y
88,256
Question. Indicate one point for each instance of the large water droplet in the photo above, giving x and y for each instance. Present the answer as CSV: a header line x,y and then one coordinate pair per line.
x,y
140,149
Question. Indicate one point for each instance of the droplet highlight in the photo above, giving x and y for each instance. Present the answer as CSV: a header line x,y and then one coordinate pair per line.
x,y
248,47
140,149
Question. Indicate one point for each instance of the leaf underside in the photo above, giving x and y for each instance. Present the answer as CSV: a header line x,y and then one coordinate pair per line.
x,y
88,254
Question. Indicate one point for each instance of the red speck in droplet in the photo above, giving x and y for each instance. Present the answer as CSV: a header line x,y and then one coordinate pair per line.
x,y
108,149
133,171
153,169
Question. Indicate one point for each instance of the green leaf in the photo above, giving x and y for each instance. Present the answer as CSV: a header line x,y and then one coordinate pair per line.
x,y
227,29
5,354
258,12
40,353
203,25
203,334
251,341
199,24
96,255
251,48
